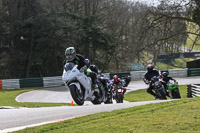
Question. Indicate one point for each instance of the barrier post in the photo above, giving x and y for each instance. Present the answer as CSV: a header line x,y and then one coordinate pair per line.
x,y
189,91
1,88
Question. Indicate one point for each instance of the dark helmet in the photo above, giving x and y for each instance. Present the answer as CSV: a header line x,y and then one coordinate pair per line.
x,y
149,68
87,62
94,68
164,74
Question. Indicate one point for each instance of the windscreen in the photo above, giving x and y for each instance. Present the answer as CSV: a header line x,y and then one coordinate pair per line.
x,y
69,66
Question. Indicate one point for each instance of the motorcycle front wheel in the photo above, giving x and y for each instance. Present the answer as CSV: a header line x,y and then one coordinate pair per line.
x,y
109,98
161,93
76,95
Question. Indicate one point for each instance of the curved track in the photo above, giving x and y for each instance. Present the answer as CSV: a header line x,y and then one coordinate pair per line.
x,y
15,119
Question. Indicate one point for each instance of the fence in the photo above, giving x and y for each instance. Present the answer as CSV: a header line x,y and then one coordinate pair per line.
x,y
193,72
178,72
52,81
57,80
193,91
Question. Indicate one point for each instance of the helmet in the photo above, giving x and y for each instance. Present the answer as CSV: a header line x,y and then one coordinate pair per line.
x,y
87,62
70,53
149,68
164,74
115,78
94,68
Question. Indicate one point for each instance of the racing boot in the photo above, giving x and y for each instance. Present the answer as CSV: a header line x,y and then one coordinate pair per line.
x,y
156,97
94,86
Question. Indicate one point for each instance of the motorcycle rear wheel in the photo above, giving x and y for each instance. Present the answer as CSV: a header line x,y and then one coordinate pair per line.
x,y
98,98
76,95
176,94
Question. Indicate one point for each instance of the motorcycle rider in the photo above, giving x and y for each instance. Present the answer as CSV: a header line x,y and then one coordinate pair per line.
x,y
165,77
117,81
71,56
103,83
151,72
166,80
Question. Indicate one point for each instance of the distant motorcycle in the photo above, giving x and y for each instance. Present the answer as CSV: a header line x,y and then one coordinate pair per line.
x,y
126,81
158,88
80,86
107,88
173,89
118,93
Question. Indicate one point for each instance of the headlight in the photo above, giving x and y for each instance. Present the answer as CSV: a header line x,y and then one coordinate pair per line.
x,y
157,83
119,90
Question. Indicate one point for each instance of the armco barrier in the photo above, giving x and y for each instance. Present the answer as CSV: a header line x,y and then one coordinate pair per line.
x,y
137,75
178,72
52,81
193,91
57,80
10,84
193,72
120,74
31,82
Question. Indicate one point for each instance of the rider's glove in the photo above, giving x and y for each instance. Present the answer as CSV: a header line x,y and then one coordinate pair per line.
x,y
83,69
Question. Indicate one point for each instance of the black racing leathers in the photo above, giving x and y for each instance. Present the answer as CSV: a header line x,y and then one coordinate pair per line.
x,y
78,60
147,77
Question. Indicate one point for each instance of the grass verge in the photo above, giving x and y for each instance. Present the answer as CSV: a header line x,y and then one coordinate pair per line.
x,y
176,116
8,99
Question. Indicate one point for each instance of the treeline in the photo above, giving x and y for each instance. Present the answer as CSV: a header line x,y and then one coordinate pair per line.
x,y
111,33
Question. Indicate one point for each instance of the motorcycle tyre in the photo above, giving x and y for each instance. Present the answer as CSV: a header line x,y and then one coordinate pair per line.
x,y
176,94
74,91
117,98
98,99
121,98
162,95
109,99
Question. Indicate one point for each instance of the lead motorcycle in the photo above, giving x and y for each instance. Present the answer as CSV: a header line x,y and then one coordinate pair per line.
x,y
80,86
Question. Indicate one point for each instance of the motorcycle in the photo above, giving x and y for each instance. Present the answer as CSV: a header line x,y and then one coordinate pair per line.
x,y
80,85
158,88
108,88
173,89
118,93
126,81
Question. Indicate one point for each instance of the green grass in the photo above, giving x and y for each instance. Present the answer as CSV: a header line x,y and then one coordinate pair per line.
x,y
177,64
180,116
8,99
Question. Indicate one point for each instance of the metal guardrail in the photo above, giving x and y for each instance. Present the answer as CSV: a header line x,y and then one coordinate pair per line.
x,y
10,84
57,80
52,81
193,72
193,91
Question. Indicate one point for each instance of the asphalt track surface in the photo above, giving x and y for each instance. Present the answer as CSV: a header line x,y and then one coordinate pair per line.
x,y
12,119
